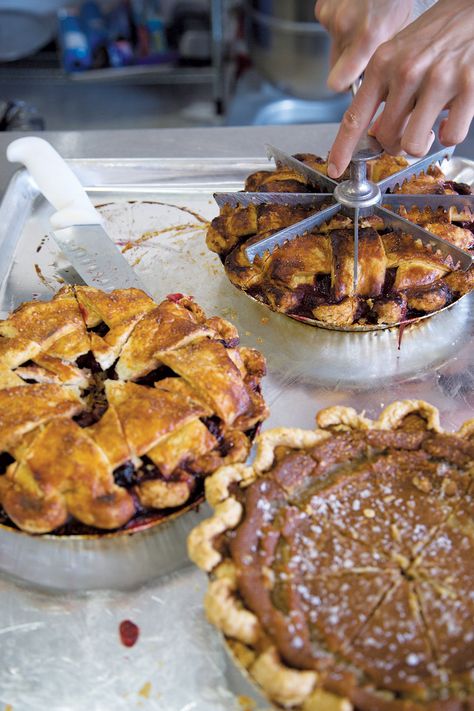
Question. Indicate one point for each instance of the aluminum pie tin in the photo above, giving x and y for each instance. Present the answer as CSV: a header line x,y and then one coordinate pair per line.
x,y
239,678
355,328
121,560
364,328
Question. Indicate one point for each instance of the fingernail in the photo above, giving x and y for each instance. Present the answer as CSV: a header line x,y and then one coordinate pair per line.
x,y
332,170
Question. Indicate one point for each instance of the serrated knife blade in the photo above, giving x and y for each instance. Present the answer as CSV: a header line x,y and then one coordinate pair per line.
x,y
460,202
244,199
77,226
397,223
414,169
96,258
313,176
268,244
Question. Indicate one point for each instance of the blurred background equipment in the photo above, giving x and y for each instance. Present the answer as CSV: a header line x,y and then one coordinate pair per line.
x,y
25,27
289,51
288,47
91,64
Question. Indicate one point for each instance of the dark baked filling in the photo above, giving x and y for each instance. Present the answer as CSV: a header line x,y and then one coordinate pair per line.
x,y
459,188
5,460
357,557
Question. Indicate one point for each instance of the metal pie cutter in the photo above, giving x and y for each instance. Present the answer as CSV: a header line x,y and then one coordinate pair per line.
x,y
356,197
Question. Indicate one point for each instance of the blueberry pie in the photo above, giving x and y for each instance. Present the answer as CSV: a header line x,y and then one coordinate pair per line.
x,y
311,276
113,408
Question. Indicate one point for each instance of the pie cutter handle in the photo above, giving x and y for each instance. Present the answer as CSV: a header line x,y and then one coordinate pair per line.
x,y
56,181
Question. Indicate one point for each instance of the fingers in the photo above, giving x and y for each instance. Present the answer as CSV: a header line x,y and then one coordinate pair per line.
x,y
454,129
418,135
390,125
322,12
391,145
335,52
354,124
349,66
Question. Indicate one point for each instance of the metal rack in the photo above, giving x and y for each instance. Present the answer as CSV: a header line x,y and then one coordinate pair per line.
x,y
45,67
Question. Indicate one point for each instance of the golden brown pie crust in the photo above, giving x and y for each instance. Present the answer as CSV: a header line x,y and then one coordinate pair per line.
x,y
341,563
113,408
312,275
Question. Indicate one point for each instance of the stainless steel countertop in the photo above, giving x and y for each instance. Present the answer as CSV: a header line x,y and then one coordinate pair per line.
x,y
171,143
242,141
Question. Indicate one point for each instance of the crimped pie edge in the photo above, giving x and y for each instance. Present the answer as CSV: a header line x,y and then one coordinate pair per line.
x,y
280,683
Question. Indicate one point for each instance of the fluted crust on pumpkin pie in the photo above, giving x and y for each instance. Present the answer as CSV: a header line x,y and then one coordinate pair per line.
x,y
111,404
312,275
336,543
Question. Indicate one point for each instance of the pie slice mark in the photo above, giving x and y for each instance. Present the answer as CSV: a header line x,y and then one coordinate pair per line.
x,y
64,472
392,648
52,335
449,622
183,444
210,371
336,606
167,327
445,574
109,435
147,414
393,501
24,408
119,311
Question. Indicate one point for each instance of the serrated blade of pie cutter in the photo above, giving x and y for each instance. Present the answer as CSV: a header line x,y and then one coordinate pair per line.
x,y
458,255
356,248
414,169
244,199
313,176
96,258
268,244
460,202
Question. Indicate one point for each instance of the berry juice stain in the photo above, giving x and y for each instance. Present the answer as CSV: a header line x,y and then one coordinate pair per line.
x,y
128,632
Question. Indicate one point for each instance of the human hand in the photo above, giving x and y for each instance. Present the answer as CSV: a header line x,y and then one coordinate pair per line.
x,y
357,29
427,67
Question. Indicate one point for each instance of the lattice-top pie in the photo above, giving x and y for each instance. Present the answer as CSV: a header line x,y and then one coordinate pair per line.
x,y
342,562
312,275
113,408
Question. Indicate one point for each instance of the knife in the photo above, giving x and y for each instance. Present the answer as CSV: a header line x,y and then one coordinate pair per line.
x,y
77,226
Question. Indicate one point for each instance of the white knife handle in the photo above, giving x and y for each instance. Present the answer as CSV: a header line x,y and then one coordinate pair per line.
x,y
56,181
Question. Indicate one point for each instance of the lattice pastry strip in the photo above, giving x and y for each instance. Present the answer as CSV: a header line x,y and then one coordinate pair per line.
x,y
312,275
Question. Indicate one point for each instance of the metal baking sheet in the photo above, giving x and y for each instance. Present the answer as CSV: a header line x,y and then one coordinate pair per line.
x,y
63,652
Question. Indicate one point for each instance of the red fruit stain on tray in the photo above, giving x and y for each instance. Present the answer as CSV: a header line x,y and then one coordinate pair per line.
x,y
174,297
129,632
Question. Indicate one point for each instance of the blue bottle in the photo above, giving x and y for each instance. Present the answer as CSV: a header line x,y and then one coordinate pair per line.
x,y
75,49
